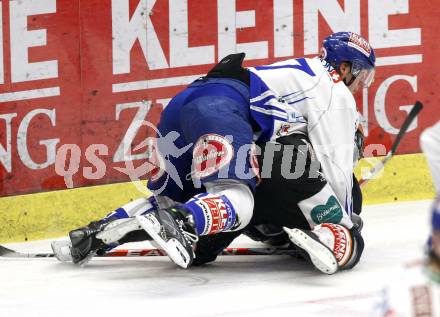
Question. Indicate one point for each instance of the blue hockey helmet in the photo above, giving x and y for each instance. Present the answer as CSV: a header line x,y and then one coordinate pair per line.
x,y
353,48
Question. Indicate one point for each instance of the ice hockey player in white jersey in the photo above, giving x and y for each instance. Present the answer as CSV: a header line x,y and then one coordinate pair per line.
x,y
417,292
209,189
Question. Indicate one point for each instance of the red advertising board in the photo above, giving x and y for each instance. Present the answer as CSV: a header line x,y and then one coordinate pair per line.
x,y
78,76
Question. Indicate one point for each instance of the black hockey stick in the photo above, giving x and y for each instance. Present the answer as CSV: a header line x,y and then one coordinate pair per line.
x,y
379,166
8,253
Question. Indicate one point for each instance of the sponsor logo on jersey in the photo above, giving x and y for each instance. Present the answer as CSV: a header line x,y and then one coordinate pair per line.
x,y
421,300
357,42
283,130
216,214
333,74
295,117
336,78
211,153
331,212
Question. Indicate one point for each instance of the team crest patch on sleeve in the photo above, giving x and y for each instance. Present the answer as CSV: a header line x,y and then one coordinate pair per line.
x,y
357,42
211,153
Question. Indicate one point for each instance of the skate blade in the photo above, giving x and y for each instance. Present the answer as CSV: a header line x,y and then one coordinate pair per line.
x,y
322,257
175,251
86,260
117,229
61,250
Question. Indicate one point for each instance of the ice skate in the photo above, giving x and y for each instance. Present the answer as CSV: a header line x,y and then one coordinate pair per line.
x,y
320,255
173,231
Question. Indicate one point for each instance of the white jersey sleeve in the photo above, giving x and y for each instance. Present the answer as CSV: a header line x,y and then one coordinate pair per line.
x,y
307,96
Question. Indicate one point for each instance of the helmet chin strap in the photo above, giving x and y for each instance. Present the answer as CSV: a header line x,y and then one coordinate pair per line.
x,y
350,82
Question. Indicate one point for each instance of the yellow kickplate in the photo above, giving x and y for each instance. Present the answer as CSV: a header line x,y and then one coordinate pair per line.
x,y
53,214
405,177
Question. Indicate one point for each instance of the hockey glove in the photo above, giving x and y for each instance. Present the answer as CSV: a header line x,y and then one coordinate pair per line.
x,y
347,245
330,247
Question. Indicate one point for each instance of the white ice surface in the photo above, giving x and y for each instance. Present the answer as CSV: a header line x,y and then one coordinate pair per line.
x,y
232,286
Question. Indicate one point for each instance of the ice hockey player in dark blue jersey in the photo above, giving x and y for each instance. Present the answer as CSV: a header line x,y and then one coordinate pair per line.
x,y
205,180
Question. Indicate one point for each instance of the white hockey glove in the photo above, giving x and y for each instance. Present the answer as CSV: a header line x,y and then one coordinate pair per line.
x,y
331,247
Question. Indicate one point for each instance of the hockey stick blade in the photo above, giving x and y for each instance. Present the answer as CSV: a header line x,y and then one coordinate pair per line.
x,y
418,106
8,253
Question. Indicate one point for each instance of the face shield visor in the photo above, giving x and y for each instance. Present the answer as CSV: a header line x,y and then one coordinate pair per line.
x,y
364,74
